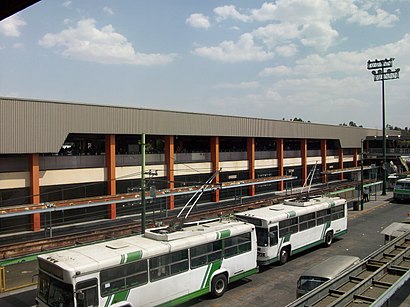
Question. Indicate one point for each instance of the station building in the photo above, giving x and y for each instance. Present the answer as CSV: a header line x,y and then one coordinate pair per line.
x,y
51,151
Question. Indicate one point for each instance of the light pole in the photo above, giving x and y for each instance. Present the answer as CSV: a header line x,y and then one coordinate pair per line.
x,y
381,75
361,174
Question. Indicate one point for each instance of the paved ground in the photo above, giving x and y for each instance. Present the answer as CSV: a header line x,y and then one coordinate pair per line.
x,y
275,285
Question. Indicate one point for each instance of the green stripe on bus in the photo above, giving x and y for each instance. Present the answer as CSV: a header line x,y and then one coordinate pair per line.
x,y
214,266
107,303
205,276
133,256
326,226
120,296
224,233
122,259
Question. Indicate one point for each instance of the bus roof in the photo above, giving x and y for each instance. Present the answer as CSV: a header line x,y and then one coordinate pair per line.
x,y
331,267
110,253
289,209
404,180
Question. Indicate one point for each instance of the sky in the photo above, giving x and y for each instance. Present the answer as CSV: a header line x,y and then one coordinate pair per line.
x,y
276,60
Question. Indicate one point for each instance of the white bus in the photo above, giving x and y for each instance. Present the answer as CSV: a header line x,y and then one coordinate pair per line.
x,y
293,226
160,267
401,190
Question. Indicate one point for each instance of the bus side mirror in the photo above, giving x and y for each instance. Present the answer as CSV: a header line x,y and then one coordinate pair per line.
x,y
80,295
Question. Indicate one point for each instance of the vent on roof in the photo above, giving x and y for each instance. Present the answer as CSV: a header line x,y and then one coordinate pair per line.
x,y
117,245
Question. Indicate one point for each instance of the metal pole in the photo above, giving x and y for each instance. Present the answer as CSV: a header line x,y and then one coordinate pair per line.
x,y
384,136
361,175
143,209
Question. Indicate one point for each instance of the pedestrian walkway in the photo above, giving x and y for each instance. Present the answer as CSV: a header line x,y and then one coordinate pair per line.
x,y
375,202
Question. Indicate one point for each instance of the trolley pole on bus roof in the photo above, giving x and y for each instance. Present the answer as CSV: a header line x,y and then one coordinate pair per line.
x,y
381,75
143,207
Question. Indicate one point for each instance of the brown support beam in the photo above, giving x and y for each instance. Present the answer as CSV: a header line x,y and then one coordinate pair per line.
x,y
34,166
169,162
303,156
323,149
355,162
341,162
111,179
251,163
279,157
215,164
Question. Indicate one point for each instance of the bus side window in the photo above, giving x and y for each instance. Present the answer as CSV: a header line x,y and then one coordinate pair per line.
x,y
87,293
273,236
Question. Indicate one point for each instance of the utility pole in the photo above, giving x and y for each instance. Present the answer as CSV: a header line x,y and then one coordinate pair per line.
x,y
143,207
381,75
361,175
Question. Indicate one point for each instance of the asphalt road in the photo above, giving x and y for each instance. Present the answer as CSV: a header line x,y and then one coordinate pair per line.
x,y
276,285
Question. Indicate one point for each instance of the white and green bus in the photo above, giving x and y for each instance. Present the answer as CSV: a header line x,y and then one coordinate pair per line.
x,y
162,267
401,190
293,226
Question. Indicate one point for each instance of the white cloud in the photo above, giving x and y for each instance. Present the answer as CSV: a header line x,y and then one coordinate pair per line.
x,y
108,10
198,21
309,22
318,35
87,42
381,18
67,3
18,45
10,26
280,70
232,52
286,50
241,85
229,12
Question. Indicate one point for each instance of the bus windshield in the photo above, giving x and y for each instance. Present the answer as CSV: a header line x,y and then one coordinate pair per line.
x,y
54,292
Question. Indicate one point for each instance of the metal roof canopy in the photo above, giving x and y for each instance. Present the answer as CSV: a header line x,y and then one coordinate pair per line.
x,y
51,208
11,7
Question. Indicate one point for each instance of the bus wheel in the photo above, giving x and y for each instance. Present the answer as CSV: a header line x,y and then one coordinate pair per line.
x,y
284,255
328,238
219,285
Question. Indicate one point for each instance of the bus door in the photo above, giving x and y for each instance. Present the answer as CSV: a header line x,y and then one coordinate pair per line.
x,y
87,293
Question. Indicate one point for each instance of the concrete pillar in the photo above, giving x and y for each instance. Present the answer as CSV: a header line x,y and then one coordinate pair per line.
x,y
34,167
251,162
111,179
323,149
215,163
341,162
303,156
280,159
355,161
169,164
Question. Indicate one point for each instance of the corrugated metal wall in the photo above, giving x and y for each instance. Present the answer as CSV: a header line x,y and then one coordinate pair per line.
x,y
32,126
